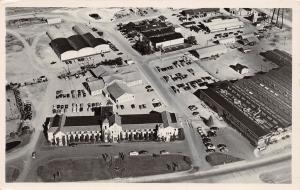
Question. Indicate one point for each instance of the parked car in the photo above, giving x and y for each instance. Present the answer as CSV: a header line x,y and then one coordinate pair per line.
x,y
214,128
221,145
33,155
133,153
206,140
195,113
210,150
211,134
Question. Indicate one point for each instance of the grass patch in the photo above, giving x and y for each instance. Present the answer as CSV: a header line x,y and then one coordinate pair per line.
x,y
111,167
11,174
217,158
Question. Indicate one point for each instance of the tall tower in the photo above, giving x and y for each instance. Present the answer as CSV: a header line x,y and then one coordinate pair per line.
x,y
105,131
277,16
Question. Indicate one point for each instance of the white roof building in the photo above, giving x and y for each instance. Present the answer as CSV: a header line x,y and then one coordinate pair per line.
x,y
219,24
56,20
119,92
211,51
94,87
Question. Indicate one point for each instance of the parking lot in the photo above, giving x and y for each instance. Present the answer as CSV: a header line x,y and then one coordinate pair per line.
x,y
183,74
73,99
225,140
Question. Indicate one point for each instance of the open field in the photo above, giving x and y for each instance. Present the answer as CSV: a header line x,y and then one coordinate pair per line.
x,y
13,170
46,152
219,158
25,10
86,169
19,68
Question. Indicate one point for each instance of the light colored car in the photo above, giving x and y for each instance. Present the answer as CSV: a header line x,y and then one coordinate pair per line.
x,y
133,153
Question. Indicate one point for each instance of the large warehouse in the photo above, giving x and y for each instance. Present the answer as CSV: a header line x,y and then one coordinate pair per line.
x,y
219,24
84,42
259,107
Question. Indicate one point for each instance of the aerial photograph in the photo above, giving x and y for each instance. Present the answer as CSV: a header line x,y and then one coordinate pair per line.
x,y
148,94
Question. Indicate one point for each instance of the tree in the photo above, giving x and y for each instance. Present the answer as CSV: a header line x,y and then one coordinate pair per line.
x,y
191,40
141,136
143,47
130,137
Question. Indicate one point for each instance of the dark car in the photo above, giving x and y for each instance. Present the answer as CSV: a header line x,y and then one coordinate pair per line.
x,y
208,144
211,134
214,128
195,113
221,146
210,150
206,140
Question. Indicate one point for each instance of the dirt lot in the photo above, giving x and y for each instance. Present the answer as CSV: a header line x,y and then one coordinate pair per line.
x,y
19,68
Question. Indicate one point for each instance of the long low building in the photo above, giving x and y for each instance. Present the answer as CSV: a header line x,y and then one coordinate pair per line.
x,y
259,107
84,43
105,126
193,12
219,24
210,51
167,40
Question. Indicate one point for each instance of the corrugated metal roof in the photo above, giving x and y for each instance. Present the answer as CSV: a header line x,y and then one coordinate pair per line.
x,y
247,122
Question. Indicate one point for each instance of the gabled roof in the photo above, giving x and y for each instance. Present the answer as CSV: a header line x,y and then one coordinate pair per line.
x,y
96,84
99,71
117,89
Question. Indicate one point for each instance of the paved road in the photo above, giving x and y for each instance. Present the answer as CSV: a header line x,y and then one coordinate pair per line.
x,y
163,91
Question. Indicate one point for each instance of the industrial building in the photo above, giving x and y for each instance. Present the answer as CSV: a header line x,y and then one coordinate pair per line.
x,y
259,107
94,87
159,33
84,42
106,126
210,51
119,92
225,41
167,40
55,20
200,11
221,24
